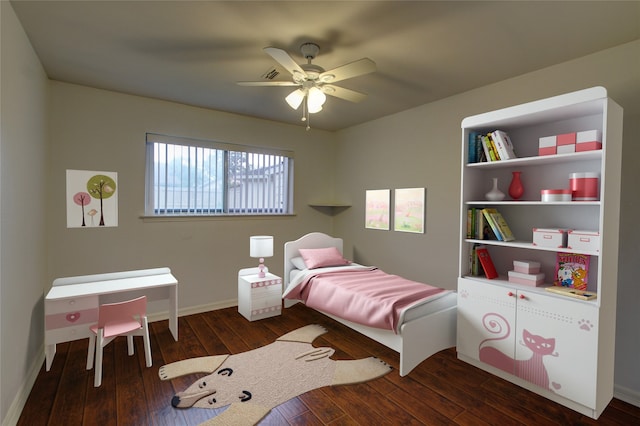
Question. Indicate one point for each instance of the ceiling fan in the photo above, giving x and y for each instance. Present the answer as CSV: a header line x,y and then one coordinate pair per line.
x,y
312,81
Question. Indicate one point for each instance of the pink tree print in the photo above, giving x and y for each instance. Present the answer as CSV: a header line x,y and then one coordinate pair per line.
x,y
82,199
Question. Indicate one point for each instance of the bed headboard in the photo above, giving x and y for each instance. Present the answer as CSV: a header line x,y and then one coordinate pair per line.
x,y
312,240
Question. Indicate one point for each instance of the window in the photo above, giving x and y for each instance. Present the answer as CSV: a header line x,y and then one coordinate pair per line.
x,y
194,177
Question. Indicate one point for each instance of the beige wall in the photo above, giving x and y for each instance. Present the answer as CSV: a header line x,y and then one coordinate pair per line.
x,y
23,189
105,131
421,148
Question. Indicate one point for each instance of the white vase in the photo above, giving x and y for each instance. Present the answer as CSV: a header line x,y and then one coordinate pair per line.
x,y
495,194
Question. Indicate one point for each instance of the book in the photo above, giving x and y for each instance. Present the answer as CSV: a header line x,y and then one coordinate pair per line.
x,y
472,152
487,212
503,145
572,292
489,149
493,147
487,264
572,270
502,225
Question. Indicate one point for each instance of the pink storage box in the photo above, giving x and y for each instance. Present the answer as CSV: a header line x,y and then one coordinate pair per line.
x,y
549,237
589,140
533,280
584,186
526,266
547,145
566,139
584,240
549,195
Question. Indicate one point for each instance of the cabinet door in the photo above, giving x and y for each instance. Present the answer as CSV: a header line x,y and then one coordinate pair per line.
x,y
486,323
557,345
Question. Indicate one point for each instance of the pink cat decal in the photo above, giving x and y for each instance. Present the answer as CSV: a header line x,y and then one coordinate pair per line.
x,y
532,369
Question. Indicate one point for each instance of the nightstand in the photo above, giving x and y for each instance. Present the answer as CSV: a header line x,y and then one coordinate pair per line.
x,y
259,298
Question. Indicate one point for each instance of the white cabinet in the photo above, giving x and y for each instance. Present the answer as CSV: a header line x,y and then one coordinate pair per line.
x,y
258,297
537,338
567,351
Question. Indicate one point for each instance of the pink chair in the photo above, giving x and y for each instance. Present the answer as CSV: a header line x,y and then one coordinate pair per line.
x,y
118,319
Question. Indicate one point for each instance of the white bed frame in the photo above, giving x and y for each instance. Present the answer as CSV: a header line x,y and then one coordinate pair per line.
x,y
418,339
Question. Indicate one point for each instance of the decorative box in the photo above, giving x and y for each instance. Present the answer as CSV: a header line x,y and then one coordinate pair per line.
x,y
549,237
583,240
548,195
584,186
534,280
547,145
566,139
526,266
588,140
566,143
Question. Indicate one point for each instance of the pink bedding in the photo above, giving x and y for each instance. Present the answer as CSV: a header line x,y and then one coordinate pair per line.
x,y
364,295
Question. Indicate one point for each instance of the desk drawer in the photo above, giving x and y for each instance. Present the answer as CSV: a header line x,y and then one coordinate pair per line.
x,y
66,334
70,305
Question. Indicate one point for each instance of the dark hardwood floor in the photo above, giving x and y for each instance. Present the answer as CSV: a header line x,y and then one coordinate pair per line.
x,y
442,390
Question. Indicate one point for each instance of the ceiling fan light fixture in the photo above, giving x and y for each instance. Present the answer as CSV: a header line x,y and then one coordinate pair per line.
x,y
295,98
315,99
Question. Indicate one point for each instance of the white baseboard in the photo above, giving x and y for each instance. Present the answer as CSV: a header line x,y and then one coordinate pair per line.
x,y
13,414
627,395
15,409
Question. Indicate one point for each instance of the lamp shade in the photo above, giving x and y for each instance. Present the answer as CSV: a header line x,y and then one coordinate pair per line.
x,y
295,98
261,246
315,99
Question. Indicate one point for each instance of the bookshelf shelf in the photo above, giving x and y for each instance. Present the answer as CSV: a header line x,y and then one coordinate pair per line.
x,y
522,311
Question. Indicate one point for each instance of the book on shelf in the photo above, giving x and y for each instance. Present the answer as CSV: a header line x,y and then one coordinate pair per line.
x,y
502,226
572,270
487,263
488,149
503,144
488,216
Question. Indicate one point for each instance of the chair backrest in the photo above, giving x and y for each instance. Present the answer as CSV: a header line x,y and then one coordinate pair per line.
x,y
109,312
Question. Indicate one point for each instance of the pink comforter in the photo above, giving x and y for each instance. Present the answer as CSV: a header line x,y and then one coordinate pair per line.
x,y
364,295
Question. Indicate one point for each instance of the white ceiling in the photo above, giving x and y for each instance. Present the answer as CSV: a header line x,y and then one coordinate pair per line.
x,y
193,52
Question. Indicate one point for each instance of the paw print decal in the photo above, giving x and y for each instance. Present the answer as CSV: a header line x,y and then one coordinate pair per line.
x,y
464,294
585,325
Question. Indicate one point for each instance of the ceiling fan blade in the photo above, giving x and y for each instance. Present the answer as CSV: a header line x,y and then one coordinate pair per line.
x,y
342,93
285,60
266,83
350,70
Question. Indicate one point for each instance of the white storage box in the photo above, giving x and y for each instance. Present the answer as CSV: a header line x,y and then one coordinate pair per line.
x,y
588,140
526,266
549,237
547,145
583,240
533,280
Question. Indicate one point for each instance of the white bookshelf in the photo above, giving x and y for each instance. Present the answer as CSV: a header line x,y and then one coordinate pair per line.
x,y
578,371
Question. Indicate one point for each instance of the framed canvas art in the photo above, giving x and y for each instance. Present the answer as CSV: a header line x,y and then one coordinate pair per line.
x,y
409,210
92,199
377,209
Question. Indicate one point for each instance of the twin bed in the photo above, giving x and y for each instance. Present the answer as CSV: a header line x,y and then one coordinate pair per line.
x,y
416,326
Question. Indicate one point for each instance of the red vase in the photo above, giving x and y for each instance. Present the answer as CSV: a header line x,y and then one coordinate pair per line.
x,y
515,188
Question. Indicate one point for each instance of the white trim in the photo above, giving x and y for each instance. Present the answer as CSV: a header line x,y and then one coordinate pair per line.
x,y
627,395
17,405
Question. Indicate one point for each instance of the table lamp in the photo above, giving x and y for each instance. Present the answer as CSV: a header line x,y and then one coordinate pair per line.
x,y
261,246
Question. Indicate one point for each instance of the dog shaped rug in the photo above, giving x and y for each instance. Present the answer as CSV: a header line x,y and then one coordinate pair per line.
x,y
252,383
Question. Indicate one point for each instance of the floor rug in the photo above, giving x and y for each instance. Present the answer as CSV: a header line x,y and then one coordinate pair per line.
x,y
252,383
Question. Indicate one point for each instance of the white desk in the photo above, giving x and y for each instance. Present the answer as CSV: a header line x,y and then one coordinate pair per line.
x,y
71,305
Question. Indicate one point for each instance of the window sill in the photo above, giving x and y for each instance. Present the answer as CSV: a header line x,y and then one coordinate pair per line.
x,y
192,218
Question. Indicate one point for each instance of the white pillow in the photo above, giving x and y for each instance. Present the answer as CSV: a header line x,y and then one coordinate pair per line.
x,y
298,263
